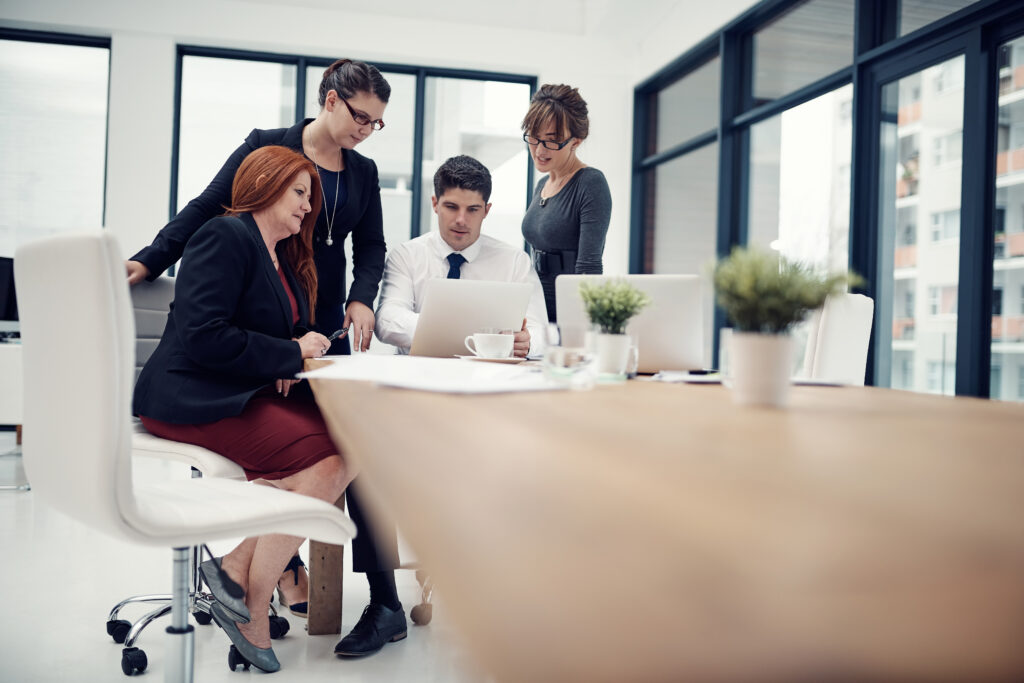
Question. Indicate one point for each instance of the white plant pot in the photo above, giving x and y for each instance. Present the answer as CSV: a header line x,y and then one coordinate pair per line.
x,y
612,352
760,368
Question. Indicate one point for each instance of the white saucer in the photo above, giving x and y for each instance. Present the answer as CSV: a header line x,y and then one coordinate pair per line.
x,y
510,361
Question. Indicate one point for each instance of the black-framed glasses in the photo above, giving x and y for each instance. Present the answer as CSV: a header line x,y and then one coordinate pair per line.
x,y
548,144
361,118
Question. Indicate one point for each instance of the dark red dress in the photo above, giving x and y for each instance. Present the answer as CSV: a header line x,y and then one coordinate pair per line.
x,y
273,438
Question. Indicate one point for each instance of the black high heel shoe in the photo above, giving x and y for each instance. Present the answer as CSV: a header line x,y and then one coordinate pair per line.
x,y
299,609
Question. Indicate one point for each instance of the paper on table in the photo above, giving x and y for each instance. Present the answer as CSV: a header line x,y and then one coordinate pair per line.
x,y
448,375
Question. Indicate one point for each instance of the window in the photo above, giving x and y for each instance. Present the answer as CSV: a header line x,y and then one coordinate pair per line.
x,y
997,301
800,182
941,377
810,41
53,133
211,128
949,147
686,108
917,13
945,225
480,118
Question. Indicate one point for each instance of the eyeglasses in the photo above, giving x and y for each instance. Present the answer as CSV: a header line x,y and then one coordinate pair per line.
x,y
362,119
548,144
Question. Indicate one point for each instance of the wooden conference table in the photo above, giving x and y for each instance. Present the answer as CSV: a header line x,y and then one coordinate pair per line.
x,y
650,531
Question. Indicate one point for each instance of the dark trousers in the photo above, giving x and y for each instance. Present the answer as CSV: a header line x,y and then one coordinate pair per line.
x,y
375,547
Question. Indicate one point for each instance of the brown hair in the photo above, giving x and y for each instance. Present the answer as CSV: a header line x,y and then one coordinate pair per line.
x,y
347,77
262,178
560,104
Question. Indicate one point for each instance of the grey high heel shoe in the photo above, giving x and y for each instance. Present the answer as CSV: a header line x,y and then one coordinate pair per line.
x,y
213,577
261,657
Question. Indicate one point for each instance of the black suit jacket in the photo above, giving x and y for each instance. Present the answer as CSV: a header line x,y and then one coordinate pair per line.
x,y
229,332
360,216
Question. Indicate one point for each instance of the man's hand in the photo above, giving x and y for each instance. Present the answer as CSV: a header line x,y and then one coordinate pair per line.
x,y
522,342
359,319
137,272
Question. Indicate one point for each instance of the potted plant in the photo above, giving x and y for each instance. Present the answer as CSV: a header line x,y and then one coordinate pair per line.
x,y
609,306
764,295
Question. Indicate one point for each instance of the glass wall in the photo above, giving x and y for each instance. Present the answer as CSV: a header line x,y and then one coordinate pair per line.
x,y
1008,266
847,148
920,219
211,126
800,181
53,137
686,108
811,40
681,226
914,14
481,119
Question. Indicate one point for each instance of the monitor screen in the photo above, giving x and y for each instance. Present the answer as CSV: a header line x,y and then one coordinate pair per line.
x,y
8,302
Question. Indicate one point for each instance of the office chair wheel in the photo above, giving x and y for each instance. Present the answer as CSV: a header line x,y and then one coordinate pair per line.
x,y
278,627
118,629
133,661
422,614
235,659
202,618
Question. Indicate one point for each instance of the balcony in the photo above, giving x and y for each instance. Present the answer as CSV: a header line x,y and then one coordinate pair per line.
x,y
903,329
905,257
909,113
1010,161
906,187
1011,81
1007,328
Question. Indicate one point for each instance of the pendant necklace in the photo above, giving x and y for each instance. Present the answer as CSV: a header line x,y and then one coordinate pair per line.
x,y
323,194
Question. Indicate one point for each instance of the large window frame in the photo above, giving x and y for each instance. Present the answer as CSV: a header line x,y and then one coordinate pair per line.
x,y
879,57
55,38
301,63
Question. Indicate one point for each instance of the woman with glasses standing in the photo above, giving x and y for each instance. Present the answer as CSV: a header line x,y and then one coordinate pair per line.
x,y
566,223
353,96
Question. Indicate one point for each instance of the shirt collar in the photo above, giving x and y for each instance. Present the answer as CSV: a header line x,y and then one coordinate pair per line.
x,y
442,249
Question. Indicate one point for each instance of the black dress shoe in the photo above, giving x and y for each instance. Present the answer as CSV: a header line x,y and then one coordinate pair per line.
x,y
377,627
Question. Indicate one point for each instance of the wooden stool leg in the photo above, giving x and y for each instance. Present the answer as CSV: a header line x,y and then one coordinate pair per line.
x,y
326,570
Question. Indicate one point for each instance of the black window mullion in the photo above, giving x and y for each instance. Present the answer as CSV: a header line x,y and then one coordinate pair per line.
x,y
638,189
300,88
417,153
977,230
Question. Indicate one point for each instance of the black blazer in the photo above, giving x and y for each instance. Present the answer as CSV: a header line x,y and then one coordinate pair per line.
x,y
229,332
360,216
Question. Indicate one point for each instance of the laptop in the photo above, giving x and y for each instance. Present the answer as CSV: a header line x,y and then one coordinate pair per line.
x,y
669,330
454,309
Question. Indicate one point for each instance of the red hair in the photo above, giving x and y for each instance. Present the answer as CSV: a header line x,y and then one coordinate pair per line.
x,y
261,179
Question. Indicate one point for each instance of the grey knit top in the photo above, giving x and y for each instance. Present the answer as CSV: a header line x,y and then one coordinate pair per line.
x,y
573,223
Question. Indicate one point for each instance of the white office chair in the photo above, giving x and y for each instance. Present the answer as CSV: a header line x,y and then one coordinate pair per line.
x,y
78,436
837,344
150,304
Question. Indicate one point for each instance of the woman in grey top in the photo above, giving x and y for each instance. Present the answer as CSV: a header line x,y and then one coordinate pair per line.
x,y
567,220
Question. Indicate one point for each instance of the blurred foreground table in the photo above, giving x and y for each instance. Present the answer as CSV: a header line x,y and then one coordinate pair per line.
x,y
647,531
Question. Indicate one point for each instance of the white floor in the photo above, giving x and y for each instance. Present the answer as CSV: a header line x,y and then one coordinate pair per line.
x,y
60,580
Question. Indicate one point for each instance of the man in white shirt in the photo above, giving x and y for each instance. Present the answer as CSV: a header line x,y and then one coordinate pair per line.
x,y
462,186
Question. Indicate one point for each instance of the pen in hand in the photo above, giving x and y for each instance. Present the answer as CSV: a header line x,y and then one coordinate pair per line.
x,y
338,334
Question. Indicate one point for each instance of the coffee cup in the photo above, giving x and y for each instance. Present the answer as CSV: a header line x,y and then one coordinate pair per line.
x,y
490,345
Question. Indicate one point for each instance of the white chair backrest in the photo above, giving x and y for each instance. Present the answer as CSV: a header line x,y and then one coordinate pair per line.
x,y
837,348
151,302
79,354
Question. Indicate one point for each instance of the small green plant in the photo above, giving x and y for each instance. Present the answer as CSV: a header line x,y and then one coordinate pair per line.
x,y
764,292
612,303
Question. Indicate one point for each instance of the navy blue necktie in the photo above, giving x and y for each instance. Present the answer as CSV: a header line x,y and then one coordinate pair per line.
x,y
456,261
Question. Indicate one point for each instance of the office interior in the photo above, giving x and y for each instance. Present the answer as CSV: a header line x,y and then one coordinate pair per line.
x,y
882,136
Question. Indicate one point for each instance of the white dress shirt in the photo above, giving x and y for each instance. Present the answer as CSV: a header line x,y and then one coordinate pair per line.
x,y
411,264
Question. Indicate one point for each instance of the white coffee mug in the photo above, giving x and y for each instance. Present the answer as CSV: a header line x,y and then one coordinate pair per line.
x,y
487,345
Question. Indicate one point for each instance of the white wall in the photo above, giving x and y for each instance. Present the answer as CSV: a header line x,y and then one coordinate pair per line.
x,y
604,64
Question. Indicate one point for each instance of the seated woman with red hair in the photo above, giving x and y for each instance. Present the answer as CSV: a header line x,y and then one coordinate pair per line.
x,y
222,375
